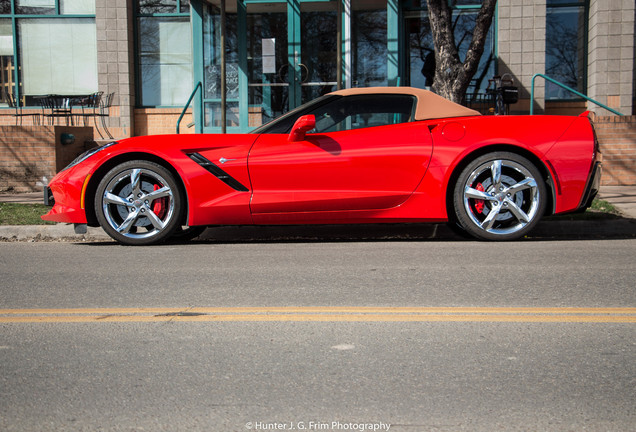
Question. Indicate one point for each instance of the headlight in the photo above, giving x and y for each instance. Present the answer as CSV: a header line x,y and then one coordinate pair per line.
x,y
88,153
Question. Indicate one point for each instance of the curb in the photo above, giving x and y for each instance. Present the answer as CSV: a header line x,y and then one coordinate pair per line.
x,y
58,232
620,228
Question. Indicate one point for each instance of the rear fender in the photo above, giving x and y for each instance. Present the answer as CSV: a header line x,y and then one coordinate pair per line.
x,y
573,157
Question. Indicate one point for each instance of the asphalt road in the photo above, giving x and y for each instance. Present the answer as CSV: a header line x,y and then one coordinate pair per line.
x,y
276,335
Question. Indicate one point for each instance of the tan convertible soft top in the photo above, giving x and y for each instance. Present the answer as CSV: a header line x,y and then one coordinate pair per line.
x,y
429,104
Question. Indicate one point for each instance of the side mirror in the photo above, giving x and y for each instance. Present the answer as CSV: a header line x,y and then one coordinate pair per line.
x,y
303,125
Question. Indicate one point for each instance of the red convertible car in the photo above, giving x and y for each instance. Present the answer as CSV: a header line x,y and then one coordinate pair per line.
x,y
372,155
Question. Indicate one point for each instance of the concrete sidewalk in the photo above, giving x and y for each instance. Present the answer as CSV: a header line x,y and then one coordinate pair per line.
x,y
623,197
22,198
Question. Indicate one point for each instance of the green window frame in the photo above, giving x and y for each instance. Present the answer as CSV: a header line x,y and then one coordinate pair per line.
x,y
566,47
163,53
17,13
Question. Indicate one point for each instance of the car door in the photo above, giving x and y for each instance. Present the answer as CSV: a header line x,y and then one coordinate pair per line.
x,y
363,154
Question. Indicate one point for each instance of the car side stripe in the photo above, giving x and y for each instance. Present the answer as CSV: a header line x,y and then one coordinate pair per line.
x,y
218,172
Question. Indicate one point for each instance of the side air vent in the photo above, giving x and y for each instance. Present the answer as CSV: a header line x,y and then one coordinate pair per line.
x,y
217,172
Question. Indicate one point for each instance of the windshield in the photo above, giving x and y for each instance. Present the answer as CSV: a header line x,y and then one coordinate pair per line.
x,y
284,123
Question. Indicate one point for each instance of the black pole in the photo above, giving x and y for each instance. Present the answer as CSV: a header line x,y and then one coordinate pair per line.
x,y
339,47
223,89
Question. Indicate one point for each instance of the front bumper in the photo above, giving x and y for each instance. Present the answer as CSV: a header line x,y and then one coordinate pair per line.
x,y
64,192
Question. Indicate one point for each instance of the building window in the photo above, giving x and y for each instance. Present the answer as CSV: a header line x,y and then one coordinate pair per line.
x,y
68,7
57,56
212,68
370,50
565,56
163,6
164,52
6,59
56,47
50,7
35,7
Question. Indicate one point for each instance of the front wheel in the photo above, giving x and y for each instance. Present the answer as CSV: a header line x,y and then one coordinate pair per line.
x,y
499,196
139,203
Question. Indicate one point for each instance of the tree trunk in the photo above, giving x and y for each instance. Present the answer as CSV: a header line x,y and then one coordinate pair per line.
x,y
452,76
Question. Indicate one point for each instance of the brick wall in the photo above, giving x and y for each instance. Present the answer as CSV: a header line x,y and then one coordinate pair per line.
x,y
28,153
115,61
610,58
617,138
31,116
34,117
521,48
157,121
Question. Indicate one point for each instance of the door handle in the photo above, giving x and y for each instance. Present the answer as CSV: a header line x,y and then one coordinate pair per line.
x,y
302,80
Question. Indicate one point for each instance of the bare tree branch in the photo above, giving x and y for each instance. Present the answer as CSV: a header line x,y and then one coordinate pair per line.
x,y
452,76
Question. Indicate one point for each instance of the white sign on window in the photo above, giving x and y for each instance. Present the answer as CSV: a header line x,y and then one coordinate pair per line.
x,y
6,45
37,3
269,55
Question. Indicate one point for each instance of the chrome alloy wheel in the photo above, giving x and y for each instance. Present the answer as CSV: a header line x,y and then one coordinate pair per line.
x,y
502,197
138,203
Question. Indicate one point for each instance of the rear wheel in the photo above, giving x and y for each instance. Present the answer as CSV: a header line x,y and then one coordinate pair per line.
x,y
499,196
139,203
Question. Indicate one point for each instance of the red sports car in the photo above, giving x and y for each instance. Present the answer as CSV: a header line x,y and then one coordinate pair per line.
x,y
372,155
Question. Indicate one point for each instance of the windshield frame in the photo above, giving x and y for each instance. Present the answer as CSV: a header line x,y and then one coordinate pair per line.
x,y
270,127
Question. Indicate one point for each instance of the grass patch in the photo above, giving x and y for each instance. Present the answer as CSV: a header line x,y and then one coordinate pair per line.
x,y
604,207
23,214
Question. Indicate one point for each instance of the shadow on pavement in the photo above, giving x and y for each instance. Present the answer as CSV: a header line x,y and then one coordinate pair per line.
x,y
551,229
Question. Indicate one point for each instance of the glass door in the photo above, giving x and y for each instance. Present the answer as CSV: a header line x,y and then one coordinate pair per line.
x,y
212,117
278,55
291,55
267,62
318,66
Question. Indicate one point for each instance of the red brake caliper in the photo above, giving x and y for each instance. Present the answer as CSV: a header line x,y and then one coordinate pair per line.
x,y
159,206
479,204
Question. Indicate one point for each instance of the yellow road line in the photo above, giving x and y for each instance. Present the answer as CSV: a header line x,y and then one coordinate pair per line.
x,y
327,318
323,314
329,309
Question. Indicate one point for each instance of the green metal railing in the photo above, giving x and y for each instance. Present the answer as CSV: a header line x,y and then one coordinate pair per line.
x,y
570,89
185,108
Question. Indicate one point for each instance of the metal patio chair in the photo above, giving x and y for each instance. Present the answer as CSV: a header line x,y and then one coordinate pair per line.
x,y
57,107
19,114
104,111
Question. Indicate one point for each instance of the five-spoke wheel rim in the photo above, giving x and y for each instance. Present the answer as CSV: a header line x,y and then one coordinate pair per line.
x,y
501,197
138,203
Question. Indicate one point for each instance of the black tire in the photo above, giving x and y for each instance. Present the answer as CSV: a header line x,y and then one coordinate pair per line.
x,y
499,196
458,230
139,203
